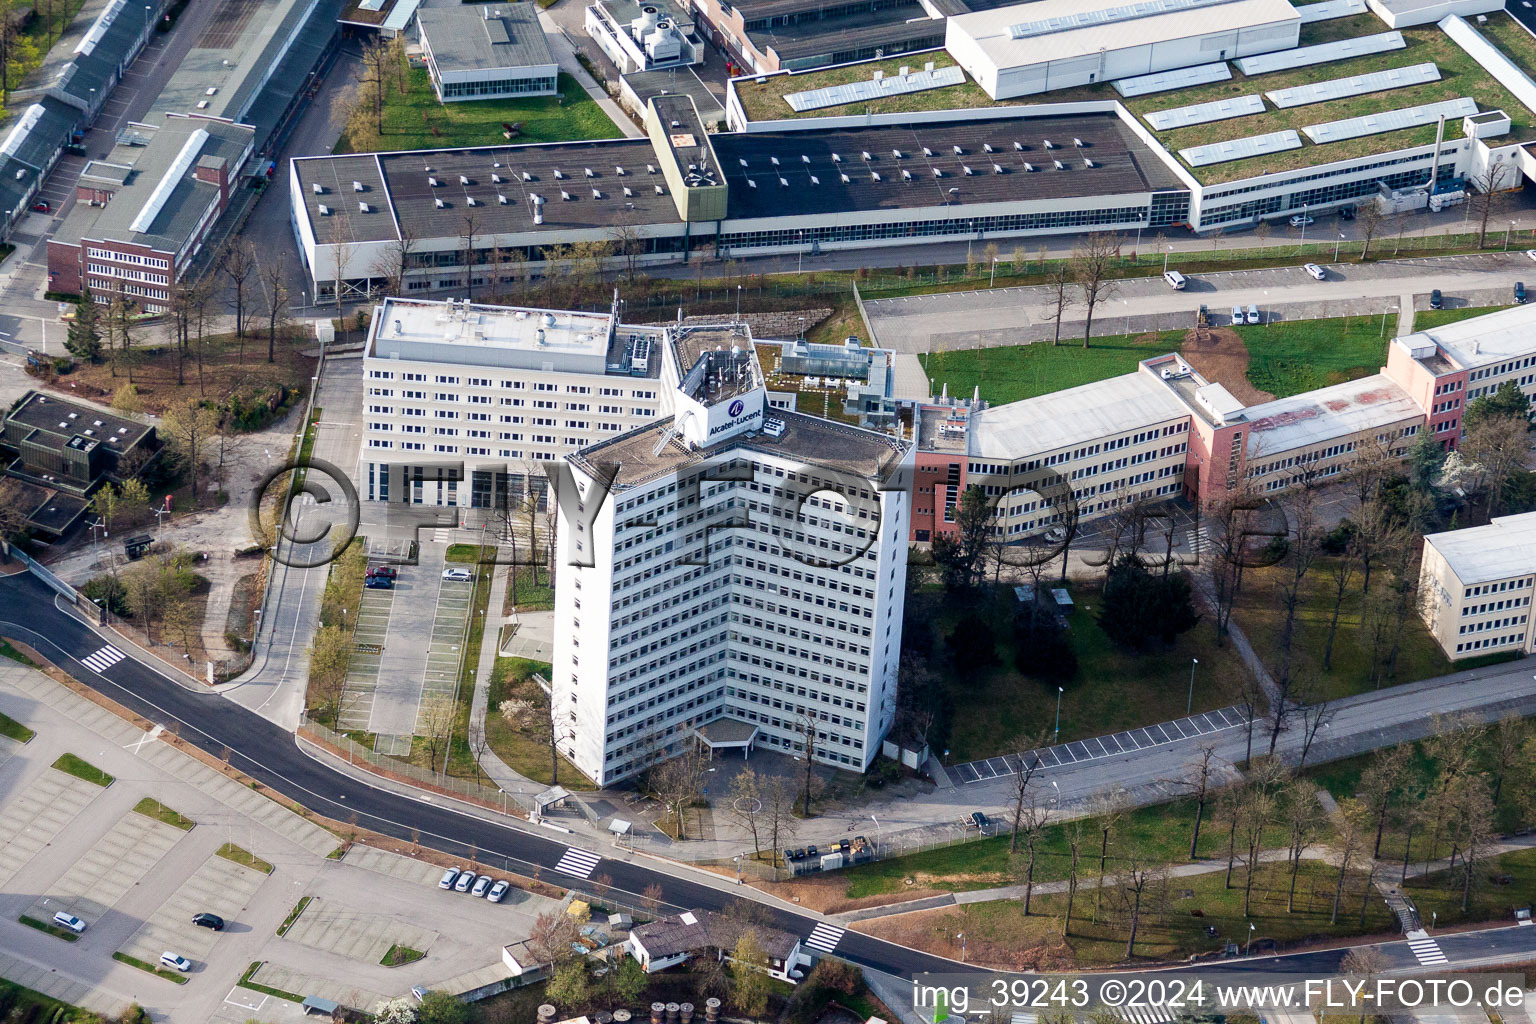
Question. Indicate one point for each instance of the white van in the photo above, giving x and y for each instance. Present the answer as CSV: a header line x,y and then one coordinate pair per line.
x,y
1175,280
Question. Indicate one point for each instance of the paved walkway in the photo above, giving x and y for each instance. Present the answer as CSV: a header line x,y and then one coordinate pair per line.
x,y
565,54
519,788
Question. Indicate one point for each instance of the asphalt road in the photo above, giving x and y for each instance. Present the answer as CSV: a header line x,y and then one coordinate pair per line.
x,y
268,753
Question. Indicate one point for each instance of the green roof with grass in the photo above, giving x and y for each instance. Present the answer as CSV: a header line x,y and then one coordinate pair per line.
x,y
1460,75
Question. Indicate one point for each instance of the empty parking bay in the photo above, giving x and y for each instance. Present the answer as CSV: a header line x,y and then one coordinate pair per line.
x,y
447,644
37,814
114,864
338,928
220,887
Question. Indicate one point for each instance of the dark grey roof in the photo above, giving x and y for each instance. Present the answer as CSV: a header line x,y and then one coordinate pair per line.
x,y
891,28
179,215
1123,165
55,420
40,132
683,81
483,37
669,936
404,182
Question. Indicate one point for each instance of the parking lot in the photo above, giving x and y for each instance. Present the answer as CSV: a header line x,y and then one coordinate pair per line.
x,y
107,871
67,844
219,887
446,646
373,613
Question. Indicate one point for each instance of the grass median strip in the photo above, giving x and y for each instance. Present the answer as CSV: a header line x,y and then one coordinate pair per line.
x,y
176,976
246,982
12,729
293,915
399,956
245,858
70,764
51,929
152,808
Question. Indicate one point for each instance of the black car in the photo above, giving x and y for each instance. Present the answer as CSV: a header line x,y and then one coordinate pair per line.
x,y
979,820
1520,293
213,921
1347,213
1436,301
379,583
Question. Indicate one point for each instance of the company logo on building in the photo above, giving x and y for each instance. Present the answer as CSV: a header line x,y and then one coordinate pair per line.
x,y
736,407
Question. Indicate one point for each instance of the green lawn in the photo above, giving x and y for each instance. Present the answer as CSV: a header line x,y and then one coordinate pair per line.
x,y
168,975
26,1004
1498,885
1028,371
69,764
511,677
1114,689
1160,831
1173,923
1429,319
50,928
293,915
399,956
245,858
1257,612
1287,358
1290,357
12,729
418,121
152,808
246,982
523,592
7,651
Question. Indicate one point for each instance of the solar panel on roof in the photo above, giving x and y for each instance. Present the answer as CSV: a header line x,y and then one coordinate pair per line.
x,y
1303,56
1389,120
1165,80
1238,149
1106,15
1200,113
1329,9
873,89
1358,85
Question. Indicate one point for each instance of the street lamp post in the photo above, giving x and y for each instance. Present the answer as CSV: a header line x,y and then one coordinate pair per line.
x,y
1336,247
1249,947
1190,706
1507,230
738,302
737,859
1389,309
877,833
1059,692
961,937
1304,225
1166,251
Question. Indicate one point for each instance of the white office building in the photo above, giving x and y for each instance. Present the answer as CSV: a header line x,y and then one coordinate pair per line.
x,y
740,584
464,401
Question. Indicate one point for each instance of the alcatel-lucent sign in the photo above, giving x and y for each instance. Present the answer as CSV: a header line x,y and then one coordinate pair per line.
x,y
743,413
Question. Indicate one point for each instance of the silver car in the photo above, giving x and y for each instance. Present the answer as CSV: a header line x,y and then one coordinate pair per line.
x,y
482,886
466,880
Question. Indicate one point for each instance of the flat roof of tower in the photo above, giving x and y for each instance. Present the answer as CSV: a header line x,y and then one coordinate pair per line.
x,y
1505,547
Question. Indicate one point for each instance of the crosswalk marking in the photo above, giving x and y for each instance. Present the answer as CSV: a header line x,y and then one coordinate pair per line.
x,y
825,938
103,659
578,862
1428,951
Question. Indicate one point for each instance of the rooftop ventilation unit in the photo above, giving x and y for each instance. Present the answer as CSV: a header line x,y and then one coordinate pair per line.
x,y
741,160
927,151
527,176
432,182
986,147
618,170
1059,165
319,189
998,168
846,180
938,172
875,175
357,186
865,154
588,172
896,153
959,151
650,168
463,179
837,158
967,170
659,191
906,174
629,193
1018,147
783,181
565,196
1049,144
774,160
470,200
804,159
325,211
1078,143
440,203
362,207
501,199
495,179
815,180
1088,162
751,183
597,194
558,175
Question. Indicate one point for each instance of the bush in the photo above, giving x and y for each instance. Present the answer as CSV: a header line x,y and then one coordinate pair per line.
x,y
63,365
827,980
109,589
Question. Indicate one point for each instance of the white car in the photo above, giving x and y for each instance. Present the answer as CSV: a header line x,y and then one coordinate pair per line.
x,y
69,921
1317,272
458,575
1531,253
498,891
1301,220
175,961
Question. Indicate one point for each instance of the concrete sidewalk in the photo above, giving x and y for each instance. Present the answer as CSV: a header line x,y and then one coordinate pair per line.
x,y
565,54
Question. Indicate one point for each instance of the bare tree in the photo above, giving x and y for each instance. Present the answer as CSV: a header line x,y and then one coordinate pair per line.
x,y
1301,553
434,724
747,806
237,261
1500,446
1488,196
677,783
1059,281
1510,737
1021,780
1381,782
1139,877
273,274
1340,572
1032,819
1077,835
1349,839
188,428
805,725
1092,263
468,235
1365,963
1369,218
1303,822
779,821
394,259
1198,777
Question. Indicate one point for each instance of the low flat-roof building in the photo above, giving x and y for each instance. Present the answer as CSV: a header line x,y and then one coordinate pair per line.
x,y
62,452
772,35
894,180
482,51
1059,44
145,212
388,18
643,35
1477,585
